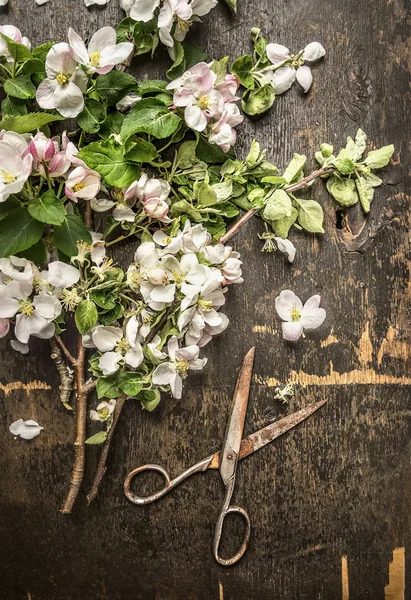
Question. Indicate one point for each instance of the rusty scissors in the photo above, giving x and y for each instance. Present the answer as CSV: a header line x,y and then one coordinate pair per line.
x,y
234,449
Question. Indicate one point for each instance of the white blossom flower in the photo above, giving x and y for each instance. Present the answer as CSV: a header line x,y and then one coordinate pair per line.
x,y
62,275
202,299
290,67
16,140
14,170
103,53
297,317
82,183
65,83
25,429
19,269
195,237
174,371
168,244
222,132
103,411
287,247
199,332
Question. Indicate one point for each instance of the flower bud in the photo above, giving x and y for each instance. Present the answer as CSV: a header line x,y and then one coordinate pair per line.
x,y
158,276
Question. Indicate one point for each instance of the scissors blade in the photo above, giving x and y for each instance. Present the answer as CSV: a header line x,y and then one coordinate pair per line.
x,y
234,432
265,436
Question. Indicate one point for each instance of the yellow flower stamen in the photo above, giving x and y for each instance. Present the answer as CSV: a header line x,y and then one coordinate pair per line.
x,y
7,177
95,59
203,102
205,304
295,315
182,368
27,309
78,187
62,79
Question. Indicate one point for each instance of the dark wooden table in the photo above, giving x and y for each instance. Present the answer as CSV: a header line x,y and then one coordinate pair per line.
x,y
329,502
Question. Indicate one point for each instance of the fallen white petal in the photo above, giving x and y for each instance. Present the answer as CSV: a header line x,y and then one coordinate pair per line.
x,y
304,77
287,247
313,51
25,429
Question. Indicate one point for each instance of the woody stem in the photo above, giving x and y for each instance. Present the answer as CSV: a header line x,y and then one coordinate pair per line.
x,y
300,185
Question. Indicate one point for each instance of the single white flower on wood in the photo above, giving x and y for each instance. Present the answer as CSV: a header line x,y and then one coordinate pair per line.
x,y
297,317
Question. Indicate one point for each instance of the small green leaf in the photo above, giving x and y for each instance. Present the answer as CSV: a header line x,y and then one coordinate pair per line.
x,y
107,159
104,298
242,69
345,166
186,155
376,159
92,115
19,52
130,383
13,106
111,125
42,50
282,226
310,215
97,438
47,209
21,87
343,190
18,231
219,67
206,196
149,399
150,116
278,206
182,207
86,316
295,168
34,65
326,150
107,387
26,123
257,102
211,153
151,86
114,86
366,193
140,150
71,231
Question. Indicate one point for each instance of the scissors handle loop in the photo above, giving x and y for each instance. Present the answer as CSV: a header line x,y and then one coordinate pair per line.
x,y
227,509
169,483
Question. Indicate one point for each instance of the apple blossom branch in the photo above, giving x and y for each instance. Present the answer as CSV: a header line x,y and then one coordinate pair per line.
x,y
300,185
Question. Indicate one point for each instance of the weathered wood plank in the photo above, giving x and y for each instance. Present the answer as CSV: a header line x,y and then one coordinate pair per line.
x,y
340,484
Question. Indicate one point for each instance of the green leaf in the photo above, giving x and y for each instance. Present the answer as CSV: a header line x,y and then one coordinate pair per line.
x,y
278,206
192,55
13,106
205,194
345,166
71,231
130,383
242,69
376,159
257,102
42,50
178,66
219,67
366,193
9,206
34,65
91,116
107,387
310,215
343,190
112,315
211,153
21,87
149,399
361,142
47,209
26,123
182,207
111,125
150,116
107,159
19,52
186,155
18,231
150,86
97,438
282,226
140,150
295,168
114,86
104,298
86,316
326,150
36,253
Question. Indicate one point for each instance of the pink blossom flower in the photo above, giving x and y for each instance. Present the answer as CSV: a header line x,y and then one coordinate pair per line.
x,y
222,132
82,183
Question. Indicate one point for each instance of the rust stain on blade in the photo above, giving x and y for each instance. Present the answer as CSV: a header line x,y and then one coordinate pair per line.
x,y
344,578
395,590
265,436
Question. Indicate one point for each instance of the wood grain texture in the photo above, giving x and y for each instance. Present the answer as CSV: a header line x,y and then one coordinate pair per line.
x,y
338,486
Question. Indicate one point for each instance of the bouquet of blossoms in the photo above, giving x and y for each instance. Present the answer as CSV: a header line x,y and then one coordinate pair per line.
x,y
150,165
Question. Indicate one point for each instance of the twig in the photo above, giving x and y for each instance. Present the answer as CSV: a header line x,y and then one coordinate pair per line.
x,y
101,468
300,185
153,332
67,354
66,375
79,444
129,58
89,216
